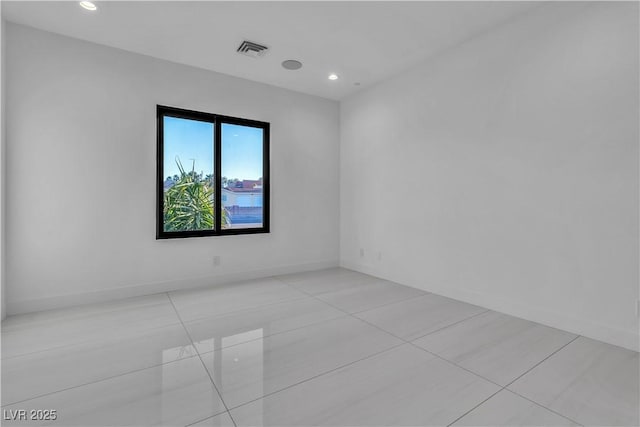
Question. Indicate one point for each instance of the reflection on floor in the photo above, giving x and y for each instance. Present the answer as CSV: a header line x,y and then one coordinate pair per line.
x,y
332,347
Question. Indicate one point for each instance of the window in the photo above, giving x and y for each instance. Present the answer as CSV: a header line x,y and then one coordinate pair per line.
x,y
213,175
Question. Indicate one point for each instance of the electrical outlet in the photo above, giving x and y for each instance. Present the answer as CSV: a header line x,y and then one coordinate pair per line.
x,y
216,260
361,252
379,256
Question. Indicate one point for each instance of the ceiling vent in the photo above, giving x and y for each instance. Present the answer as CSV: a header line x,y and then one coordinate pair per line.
x,y
252,49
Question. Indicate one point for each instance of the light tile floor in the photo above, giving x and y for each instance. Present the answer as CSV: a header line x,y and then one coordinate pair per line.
x,y
332,347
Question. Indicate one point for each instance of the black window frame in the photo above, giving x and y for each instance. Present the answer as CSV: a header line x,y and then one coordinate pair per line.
x,y
217,120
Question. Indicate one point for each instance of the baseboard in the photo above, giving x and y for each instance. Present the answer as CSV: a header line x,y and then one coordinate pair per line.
x,y
136,290
584,327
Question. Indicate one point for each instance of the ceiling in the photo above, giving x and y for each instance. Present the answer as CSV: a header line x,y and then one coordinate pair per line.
x,y
362,42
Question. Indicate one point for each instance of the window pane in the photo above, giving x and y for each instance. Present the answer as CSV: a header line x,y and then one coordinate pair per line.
x,y
242,178
189,178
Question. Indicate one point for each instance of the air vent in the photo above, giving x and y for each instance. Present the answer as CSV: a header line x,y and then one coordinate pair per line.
x,y
252,49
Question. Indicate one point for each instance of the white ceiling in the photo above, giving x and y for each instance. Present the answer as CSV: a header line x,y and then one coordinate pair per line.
x,y
363,41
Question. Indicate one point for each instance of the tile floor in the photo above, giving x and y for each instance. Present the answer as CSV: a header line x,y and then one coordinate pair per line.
x,y
331,347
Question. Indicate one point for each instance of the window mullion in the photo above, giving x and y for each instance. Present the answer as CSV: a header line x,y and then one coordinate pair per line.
x,y
217,155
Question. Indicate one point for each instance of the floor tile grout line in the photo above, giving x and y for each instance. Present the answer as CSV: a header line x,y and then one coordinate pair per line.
x,y
404,342
531,369
451,362
88,341
377,353
389,303
425,293
324,302
179,322
395,302
128,373
470,410
502,388
361,311
357,318
455,364
209,417
204,366
93,340
345,315
417,296
77,344
495,383
346,312
541,362
354,281
542,406
83,306
453,324
324,373
433,354
420,348
342,316
228,410
133,371
505,386
411,343
259,306
99,381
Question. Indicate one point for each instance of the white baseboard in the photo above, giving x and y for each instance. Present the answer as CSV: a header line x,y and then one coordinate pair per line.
x,y
70,300
584,327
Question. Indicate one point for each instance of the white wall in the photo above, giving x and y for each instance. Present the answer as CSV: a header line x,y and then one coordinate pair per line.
x,y
523,147
81,154
3,301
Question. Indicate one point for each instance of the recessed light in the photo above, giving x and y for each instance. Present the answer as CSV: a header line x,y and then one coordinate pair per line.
x,y
291,64
89,5
333,76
